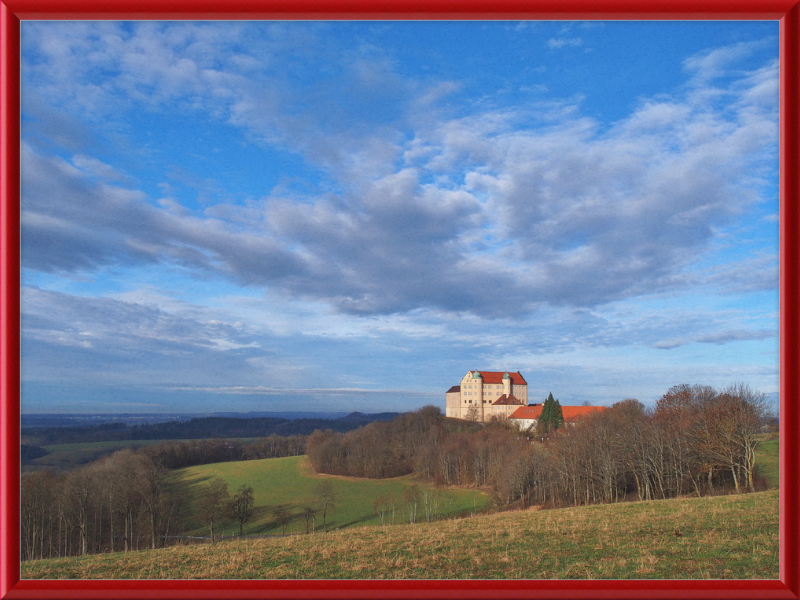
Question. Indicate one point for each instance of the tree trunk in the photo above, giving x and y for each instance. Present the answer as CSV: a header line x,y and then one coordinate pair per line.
x,y
735,478
111,520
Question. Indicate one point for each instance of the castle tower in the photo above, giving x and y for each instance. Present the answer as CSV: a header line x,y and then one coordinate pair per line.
x,y
478,382
506,384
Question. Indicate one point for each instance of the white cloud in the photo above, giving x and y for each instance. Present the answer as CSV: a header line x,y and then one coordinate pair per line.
x,y
496,213
97,168
717,61
718,338
555,43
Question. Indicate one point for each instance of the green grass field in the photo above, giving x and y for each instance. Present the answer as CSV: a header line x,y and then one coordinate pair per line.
x,y
724,537
767,460
290,482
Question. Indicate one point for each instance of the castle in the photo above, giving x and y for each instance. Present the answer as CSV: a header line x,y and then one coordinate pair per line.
x,y
483,395
486,394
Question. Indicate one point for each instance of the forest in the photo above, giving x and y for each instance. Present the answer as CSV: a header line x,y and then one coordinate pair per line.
x,y
695,441
127,500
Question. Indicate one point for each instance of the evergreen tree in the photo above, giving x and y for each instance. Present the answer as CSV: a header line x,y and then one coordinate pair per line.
x,y
551,417
546,415
557,420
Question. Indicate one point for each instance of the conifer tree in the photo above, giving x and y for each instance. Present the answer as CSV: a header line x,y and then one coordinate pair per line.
x,y
551,417
557,420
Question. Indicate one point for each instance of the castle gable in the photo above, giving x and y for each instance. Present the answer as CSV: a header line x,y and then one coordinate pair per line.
x,y
508,400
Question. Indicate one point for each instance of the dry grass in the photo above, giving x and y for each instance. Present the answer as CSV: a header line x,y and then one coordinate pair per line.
x,y
729,537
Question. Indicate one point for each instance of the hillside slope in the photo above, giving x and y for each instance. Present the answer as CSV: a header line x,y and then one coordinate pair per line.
x,y
289,483
727,537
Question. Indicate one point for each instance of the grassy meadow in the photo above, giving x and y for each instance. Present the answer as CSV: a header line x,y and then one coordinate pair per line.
x,y
767,459
289,482
723,537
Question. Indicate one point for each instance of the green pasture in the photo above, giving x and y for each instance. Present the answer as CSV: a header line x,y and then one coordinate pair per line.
x,y
767,460
290,482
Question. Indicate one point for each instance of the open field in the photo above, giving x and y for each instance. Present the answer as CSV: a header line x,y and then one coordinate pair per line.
x,y
723,537
290,482
767,460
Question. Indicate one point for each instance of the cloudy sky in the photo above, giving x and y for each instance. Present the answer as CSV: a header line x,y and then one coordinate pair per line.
x,y
349,216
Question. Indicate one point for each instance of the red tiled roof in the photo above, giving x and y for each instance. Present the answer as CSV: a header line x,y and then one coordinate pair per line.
x,y
570,413
506,400
527,412
455,388
497,377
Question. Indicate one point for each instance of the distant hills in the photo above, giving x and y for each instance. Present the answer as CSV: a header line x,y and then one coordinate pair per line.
x,y
71,429
81,420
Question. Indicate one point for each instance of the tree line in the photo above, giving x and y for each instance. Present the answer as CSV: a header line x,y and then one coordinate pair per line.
x,y
696,440
177,455
122,502
128,500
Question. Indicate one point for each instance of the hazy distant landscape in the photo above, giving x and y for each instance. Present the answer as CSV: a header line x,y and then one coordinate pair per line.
x,y
83,420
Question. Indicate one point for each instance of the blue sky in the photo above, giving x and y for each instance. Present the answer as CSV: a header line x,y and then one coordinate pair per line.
x,y
257,216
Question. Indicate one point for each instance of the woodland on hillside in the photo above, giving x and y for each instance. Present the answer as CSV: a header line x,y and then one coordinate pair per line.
x,y
127,500
697,440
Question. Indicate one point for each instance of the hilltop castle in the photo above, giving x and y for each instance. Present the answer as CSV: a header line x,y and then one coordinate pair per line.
x,y
486,394
483,395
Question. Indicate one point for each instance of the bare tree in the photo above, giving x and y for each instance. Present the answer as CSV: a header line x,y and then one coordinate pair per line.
x,y
241,505
150,477
212,503
411,500
751,413
431,501
309,517
327,500
733,431
78,490
382,505
38,495
282,517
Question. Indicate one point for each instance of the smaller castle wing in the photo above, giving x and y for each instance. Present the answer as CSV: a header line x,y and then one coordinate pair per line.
x,y
508,400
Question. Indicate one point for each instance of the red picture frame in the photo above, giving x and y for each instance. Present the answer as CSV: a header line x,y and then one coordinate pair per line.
x,y
787,11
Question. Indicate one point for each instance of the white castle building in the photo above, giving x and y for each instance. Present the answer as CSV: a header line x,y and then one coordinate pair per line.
x,y
486,394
